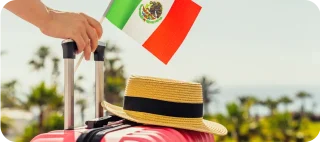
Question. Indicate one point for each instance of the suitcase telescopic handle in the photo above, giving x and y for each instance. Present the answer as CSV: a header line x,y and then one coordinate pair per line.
x,y
69,53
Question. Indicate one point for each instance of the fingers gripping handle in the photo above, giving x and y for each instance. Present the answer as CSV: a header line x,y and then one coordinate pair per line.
x,y
69,54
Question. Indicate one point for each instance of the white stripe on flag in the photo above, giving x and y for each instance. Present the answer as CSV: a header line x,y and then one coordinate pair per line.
x,y
138,29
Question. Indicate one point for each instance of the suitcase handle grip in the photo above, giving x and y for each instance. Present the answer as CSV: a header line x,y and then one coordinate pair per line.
x,y
69,48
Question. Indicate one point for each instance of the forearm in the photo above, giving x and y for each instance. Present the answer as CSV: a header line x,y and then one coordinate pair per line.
x,y
33,11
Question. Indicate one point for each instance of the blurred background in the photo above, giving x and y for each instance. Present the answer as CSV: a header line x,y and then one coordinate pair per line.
x,y
258,62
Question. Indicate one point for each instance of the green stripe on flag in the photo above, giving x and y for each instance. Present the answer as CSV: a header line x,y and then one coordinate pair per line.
x,y
120,11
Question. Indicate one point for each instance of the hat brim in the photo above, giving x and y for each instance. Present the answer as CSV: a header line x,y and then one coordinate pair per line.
x,y
174,122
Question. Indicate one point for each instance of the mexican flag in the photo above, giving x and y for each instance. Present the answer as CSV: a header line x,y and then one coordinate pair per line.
x,y
160,26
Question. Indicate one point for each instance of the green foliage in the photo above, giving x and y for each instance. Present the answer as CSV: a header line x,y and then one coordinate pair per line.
x,y
56,102
285,99
42,95
55,69
38,62
3,52
303,94
8,101
313,130
8,95
77,86
29,133
207,91
271,104
53,122
276,127
115,84
49,102
6,123
82,103
9,87
234,110
115,80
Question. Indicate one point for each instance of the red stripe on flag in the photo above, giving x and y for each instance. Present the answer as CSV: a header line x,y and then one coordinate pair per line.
x,y
167,38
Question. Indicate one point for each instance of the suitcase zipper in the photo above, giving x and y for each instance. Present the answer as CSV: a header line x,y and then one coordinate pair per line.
x,y
88,136
124,124
85,137
98,136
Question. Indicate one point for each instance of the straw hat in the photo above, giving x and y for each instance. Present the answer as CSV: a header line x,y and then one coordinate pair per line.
x,y
165,102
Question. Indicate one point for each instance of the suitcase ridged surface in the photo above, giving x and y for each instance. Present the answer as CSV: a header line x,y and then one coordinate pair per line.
x,y
133,134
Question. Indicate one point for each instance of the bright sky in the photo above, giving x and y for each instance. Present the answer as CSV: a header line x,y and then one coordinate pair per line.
x,y
236,42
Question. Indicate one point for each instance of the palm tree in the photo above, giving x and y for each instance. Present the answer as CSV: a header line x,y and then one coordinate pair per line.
x,y
272,105
207,91
83,105
114,74
8,95
39,62
55,69
9,87
235,117
8,101
246,102
286,101
2,53
45,98
314,106
41,56
78,87
303,96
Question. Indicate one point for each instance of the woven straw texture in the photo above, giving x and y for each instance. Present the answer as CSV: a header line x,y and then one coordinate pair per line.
x,y
166,90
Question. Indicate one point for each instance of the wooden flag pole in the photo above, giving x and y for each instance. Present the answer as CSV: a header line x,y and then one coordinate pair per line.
x,y
101,20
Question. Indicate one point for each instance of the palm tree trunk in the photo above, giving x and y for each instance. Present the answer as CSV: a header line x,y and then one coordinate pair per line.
x,y
82,116
41,114
302,107
286,138
249,114
238,133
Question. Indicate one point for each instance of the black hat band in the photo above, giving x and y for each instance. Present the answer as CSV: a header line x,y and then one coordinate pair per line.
x,y
174,109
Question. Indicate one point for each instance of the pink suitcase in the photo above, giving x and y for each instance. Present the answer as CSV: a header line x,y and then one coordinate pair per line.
x,y
107,128
130,134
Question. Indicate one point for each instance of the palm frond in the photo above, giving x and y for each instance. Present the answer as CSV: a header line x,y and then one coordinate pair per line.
x,y
3,52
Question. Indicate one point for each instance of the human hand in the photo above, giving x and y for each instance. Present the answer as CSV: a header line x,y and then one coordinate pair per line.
x,y
81,28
